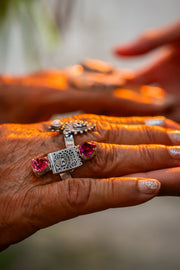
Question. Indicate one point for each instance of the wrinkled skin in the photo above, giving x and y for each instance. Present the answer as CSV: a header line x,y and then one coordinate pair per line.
x,y
165,70
128,153
36,97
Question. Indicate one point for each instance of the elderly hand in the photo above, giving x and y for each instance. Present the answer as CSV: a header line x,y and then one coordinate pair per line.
x,y
36,97
165,70
123,146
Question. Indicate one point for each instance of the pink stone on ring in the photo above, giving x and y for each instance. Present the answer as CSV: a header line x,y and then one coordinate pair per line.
x,y
40,166
87,150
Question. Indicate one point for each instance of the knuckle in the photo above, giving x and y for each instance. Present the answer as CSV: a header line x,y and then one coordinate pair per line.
x,y
106,131
102,131
147,131
146,154
104,161
112,188
98,163
77,192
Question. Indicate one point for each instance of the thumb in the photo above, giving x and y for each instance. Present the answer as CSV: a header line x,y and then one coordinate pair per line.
x,y
66,199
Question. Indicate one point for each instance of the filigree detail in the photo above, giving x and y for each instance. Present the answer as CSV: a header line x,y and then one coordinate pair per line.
x,y
56,125
68,128
65,160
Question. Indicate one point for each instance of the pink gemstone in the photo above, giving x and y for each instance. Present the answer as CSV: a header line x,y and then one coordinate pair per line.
x,y
87,148
40,164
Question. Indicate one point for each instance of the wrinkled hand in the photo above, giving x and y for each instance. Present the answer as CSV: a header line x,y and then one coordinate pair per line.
x,y
166,69
124,146
36,97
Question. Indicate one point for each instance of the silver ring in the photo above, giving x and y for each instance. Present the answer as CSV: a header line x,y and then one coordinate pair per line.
x,y
70,129
64,161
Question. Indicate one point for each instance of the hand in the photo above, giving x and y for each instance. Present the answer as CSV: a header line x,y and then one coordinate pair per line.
x,y
36,97
166,69
124,146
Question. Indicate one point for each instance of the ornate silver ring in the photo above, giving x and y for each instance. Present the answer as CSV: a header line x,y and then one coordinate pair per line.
x,y
64,161
69,129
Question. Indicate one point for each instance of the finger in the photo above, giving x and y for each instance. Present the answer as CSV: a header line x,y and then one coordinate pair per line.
x,y
146,75
63,200
134,120
117,160
162,121
122,134
127,101
155,72
48,78
169,178
120,102
139,100
108,132
130,134
150,40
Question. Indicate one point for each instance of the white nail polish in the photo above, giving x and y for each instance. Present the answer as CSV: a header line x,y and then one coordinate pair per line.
x,y
174,152
155,122
174,136
148,186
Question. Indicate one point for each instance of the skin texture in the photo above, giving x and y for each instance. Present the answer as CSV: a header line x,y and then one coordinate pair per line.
x,y
128,153
38,96
165,70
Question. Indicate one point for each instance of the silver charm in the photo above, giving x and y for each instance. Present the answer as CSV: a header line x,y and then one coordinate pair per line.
x,y
76,127
65,160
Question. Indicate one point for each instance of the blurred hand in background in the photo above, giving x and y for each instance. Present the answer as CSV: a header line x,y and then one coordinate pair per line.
x,y
36,97
165,70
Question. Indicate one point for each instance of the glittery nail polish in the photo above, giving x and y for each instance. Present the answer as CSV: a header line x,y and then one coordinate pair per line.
x,y
149,186
174,136
155,122
174,151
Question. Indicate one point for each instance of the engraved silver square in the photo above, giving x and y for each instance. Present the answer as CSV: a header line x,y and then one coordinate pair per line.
x,y
65,160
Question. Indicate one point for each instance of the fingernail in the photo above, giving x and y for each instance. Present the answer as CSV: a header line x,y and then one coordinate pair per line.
x,y
149,186
174,136
155,122
174,151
